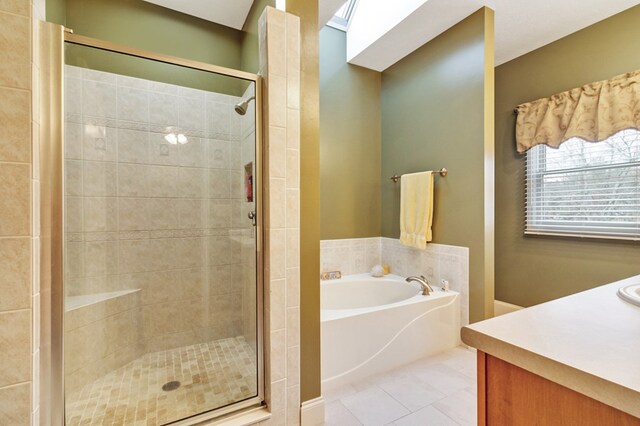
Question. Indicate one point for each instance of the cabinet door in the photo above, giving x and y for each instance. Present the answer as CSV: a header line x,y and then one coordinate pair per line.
x,y
509,395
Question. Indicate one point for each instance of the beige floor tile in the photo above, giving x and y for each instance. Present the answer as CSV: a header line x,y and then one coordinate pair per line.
x,y
463,360
445,379
336,414
411,392
427,416
460,406
440,390
374,407
211,375
337,393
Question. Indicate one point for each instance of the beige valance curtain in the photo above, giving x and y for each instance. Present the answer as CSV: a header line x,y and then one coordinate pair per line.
x,y
592,112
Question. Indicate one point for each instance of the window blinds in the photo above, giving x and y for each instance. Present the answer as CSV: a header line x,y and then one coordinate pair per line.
x,y
585,189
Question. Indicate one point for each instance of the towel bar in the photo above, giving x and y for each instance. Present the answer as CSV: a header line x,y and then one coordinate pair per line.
x,y
442,172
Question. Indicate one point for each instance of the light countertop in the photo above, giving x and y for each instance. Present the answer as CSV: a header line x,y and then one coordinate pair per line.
x,y
588,342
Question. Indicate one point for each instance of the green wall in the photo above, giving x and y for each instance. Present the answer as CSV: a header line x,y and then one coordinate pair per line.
x,y
55,11
535,269
249,53
143,25
140,24
433,104
349,143
117,63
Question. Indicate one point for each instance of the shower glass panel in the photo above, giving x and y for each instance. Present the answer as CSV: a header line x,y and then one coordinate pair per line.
x,y
161,245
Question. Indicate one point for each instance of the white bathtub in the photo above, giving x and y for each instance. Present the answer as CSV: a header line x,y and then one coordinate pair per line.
x,y
371,325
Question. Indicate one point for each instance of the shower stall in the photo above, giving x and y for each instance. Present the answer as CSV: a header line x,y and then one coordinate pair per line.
x,y
161,308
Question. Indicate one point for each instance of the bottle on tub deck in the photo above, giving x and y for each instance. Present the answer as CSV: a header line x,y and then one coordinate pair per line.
x,y
445,284
387,269
377,271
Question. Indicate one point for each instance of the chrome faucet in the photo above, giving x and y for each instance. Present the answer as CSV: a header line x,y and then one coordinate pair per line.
x,y
424,283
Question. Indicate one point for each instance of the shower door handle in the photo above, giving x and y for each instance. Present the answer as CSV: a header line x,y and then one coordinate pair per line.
x,y
252,216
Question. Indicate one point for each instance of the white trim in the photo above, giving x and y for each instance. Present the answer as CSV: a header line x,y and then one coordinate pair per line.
x,y
333,23
501,308
312,412
248,417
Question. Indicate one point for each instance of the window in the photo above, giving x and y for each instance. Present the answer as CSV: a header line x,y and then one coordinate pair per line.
x,y
341,19
585,189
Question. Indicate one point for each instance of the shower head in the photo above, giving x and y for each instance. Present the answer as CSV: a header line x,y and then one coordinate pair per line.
x,y
241,107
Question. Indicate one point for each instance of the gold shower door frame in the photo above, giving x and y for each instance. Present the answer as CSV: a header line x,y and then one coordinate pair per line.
x,y
52,146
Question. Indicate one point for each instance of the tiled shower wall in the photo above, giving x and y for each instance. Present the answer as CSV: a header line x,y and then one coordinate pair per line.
x,y
280,67
19,235
436,262
169,220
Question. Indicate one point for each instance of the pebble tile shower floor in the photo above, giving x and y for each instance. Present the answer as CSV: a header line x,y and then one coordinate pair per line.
x,y
211,375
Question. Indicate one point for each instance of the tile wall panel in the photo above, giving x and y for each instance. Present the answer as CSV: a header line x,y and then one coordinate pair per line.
x,y
280,67
15,120
15,280
18,233
15,43
350,256
169,221
15,404
437,262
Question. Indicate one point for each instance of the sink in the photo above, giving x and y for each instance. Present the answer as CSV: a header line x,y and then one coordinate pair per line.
x,y
630,293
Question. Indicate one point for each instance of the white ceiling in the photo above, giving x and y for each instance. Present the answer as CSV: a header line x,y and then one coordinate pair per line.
x,y
525,25
230,13
326,10
381,32
520,25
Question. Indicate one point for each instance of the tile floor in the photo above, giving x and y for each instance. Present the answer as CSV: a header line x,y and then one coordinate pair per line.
x,y
440,390
212,375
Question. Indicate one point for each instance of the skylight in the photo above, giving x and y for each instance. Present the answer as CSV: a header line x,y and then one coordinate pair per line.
x,y
341,19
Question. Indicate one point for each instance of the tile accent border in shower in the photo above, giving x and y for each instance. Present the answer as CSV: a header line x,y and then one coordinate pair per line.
x,y
436,262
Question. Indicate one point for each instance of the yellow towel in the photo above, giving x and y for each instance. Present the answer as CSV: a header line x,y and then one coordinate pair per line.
x,y
416,209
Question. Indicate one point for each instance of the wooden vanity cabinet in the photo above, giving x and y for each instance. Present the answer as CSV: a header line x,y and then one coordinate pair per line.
x,y
511,396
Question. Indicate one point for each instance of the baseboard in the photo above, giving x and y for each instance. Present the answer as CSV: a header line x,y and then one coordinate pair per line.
x,y
312,412
501,308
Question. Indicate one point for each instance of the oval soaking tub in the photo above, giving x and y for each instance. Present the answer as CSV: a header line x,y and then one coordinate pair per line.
x,y
355,292
372,325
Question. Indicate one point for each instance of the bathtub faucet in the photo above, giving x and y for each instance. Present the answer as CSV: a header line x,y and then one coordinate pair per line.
x,y
426,288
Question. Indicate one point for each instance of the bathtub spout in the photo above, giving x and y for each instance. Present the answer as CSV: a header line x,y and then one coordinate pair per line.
x,y
424,283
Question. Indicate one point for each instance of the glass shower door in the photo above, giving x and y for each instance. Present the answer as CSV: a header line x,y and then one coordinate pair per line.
x,y
161,250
